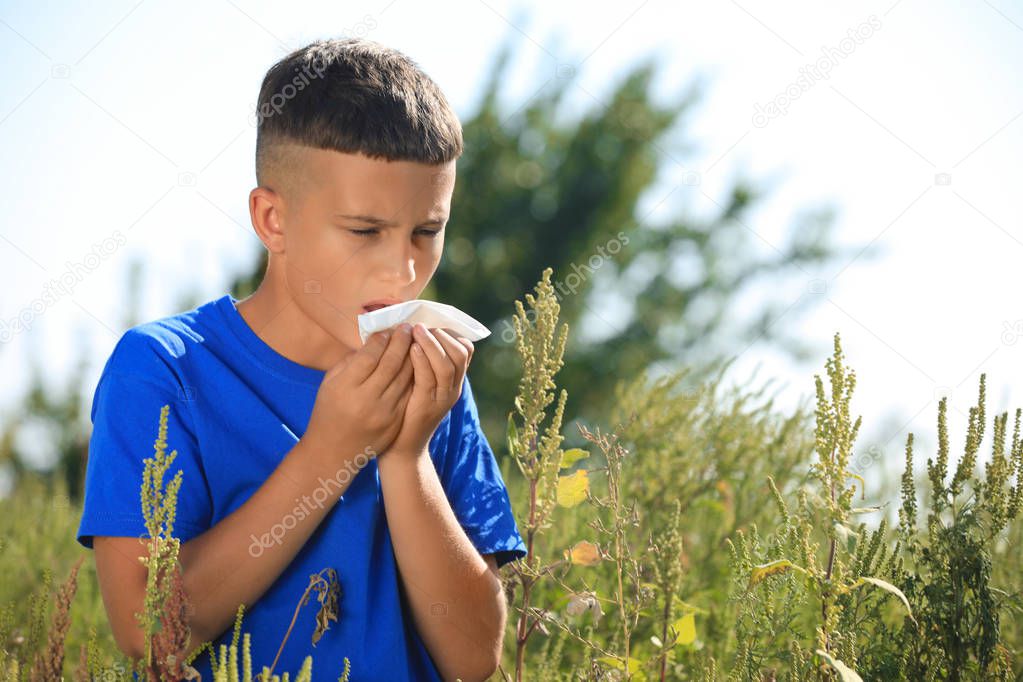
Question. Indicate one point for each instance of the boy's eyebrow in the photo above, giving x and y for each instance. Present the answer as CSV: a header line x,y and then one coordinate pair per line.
x,y
380,222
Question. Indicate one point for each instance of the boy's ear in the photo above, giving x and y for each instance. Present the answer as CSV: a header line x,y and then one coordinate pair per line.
x,y
265,211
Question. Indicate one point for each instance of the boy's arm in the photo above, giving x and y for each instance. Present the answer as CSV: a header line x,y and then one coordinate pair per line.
x,y
225,566
456,595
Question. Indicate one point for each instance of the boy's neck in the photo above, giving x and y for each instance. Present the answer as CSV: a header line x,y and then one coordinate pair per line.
x,y
276,319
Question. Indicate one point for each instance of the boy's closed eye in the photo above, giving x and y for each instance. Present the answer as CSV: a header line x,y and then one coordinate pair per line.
x,y
372,231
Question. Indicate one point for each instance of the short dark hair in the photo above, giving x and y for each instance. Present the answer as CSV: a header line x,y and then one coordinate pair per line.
x,y
352,95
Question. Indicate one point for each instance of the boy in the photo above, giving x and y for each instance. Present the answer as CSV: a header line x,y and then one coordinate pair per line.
x,y
301,448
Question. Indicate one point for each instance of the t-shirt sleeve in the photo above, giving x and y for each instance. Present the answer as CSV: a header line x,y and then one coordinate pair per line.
x,y
132,390
475,487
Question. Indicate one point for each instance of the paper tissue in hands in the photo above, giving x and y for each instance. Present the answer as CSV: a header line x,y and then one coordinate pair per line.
x,y
430,313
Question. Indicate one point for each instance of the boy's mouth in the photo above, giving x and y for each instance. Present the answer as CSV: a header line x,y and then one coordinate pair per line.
x,y
377,305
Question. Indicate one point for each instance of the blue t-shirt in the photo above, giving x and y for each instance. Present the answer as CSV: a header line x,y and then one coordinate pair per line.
x,y
236,408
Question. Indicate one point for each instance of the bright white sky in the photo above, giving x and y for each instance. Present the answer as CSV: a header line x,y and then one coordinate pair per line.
x,y
131,121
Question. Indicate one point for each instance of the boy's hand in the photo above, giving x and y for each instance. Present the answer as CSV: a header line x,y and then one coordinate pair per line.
x,y
439,369
361,400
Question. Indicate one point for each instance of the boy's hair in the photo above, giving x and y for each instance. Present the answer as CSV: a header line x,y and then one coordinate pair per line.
x,y
350,95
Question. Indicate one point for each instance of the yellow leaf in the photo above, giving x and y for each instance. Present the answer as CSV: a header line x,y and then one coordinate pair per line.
x,y
611,662
584,554
570,457
687,607
771,568
634,665
686,628
572,489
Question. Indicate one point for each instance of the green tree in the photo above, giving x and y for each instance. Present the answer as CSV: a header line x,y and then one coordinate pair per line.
x,y
535,191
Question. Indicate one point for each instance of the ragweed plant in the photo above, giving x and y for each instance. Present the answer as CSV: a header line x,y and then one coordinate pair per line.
x,y
638,579
539,456
676,618
708,447
629,594
165,631
540,344
949,580
49,662
166,609
777,575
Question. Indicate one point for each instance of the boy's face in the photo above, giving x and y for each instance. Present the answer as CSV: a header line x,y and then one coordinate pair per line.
x,y
335,259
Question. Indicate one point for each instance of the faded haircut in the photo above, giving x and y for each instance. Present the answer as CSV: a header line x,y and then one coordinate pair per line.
x,y
350,95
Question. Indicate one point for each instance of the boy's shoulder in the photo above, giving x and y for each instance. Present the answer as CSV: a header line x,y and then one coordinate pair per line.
x,y
154,348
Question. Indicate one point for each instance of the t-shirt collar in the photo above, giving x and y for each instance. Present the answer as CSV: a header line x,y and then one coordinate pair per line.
x,y
263,352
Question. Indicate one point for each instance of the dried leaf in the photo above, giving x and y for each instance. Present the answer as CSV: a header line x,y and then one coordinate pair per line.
x,y
580,602
584,553
328,597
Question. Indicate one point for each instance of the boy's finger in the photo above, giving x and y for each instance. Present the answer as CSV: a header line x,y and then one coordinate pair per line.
x,y
365,360
443,369
457,351
462,340
400,384
431,347
425,381
455,358
390,361
457,361
455,336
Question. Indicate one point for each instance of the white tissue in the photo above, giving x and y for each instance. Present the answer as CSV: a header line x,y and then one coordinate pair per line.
x,y
430,313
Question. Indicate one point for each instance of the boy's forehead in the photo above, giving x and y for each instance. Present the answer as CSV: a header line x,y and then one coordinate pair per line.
x,y
356,184
333,161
